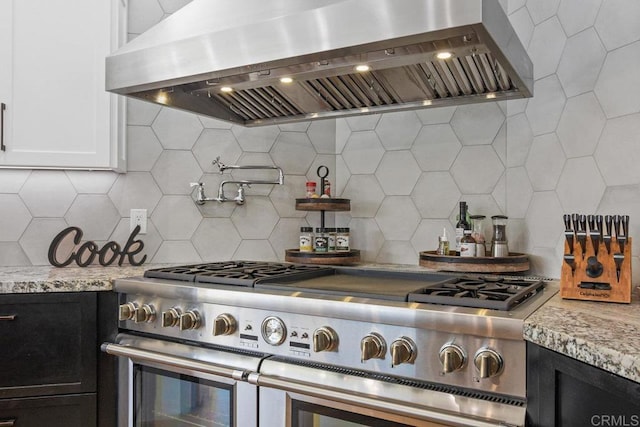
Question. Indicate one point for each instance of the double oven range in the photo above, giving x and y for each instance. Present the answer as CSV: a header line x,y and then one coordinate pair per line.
x,y
245,343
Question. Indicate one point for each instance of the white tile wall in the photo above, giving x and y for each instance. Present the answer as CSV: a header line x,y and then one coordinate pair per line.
x,y
573,147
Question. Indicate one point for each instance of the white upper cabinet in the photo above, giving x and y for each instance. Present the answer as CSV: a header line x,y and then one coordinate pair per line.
x,y
52,79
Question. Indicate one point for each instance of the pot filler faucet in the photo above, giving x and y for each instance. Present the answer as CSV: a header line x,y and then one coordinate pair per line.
x,y
242,184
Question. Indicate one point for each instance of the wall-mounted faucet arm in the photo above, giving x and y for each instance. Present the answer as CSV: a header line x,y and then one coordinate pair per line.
x,y
222,167
242,184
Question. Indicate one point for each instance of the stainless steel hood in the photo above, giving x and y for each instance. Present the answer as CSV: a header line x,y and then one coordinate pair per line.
x,y
248,46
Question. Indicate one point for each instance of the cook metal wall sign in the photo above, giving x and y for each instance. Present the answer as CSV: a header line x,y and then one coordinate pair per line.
x,y
86,253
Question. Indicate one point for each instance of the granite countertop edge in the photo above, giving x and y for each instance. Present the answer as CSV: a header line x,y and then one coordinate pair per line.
x,y
604,335
42,279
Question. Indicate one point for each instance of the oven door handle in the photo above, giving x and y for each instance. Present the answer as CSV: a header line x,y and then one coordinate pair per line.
x,y
173,361
360,400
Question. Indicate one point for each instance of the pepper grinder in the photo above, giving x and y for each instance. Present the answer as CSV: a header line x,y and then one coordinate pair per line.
x,y
499,246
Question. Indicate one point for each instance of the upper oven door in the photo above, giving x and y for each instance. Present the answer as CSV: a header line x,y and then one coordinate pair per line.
x,y
162,383
296,395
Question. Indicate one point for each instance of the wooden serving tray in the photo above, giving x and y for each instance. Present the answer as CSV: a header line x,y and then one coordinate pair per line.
x,y
515,262
324,258
320,204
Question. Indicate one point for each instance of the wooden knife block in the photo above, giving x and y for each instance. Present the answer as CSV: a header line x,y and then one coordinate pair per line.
x,y
571,281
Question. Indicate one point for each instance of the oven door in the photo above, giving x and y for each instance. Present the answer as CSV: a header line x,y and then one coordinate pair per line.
x,y
296,395
168,384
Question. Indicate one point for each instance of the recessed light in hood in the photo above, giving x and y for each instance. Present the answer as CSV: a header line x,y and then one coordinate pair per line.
x,y
251,45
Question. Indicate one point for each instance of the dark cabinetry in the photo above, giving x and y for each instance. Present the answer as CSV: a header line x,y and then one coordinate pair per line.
x,y
49,361
565,392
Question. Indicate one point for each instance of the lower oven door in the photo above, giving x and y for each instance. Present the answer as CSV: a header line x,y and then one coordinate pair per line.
x,y
296,395
168,384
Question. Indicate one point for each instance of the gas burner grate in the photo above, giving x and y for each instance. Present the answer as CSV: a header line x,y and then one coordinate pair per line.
x,y
238,273
491,293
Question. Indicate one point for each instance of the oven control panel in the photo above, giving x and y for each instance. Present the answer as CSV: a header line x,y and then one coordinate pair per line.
x,y
424,354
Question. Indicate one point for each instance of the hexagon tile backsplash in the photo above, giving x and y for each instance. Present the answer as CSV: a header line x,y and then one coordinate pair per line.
x,y
573,147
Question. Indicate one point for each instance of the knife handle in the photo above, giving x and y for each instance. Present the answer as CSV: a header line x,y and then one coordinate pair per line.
x,y
570,259
591,220
595,241
625,225
574,219
607,223
583,223
616,224
567,221
568,234
599,224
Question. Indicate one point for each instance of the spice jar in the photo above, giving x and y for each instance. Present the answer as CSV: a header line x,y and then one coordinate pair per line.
x,y
321,240
311,189
326,191
306,239
331,236
342,239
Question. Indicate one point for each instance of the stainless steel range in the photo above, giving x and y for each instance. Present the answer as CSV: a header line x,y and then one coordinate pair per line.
x,y
245,343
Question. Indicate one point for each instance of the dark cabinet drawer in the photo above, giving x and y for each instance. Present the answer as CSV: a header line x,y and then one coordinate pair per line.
x,y
58,411
48,344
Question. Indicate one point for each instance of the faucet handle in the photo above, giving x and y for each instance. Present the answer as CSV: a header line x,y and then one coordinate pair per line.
x,y
221,166
196,184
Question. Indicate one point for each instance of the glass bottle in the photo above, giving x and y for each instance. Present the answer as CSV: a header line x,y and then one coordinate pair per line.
x,y
467,245
443,243
478,234
461,225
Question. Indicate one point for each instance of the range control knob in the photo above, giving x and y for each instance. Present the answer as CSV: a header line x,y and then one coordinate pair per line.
x,y
372,347
488,362
190,320
127,311
325,339
224,324
403,350
146,313
171,317
452,358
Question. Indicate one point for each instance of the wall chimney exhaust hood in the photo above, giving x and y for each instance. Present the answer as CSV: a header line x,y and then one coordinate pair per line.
x,y
256,62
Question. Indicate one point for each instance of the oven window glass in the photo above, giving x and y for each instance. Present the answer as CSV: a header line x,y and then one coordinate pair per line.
x,y
164,399
306,414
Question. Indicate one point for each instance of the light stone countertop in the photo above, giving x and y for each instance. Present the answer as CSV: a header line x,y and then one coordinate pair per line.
x,y
14,280
605,335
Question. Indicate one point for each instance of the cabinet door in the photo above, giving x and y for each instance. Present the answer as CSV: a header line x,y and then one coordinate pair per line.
x,y
6,72
58,113
62,411
48,344
562,391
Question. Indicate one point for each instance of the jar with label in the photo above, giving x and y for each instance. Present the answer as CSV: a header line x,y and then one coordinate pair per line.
x,y
311,189
467,245
342,239
321,240
326,191
331,236
306,239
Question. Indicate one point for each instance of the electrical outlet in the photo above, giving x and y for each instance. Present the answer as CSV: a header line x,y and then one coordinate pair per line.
x,y
138,217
